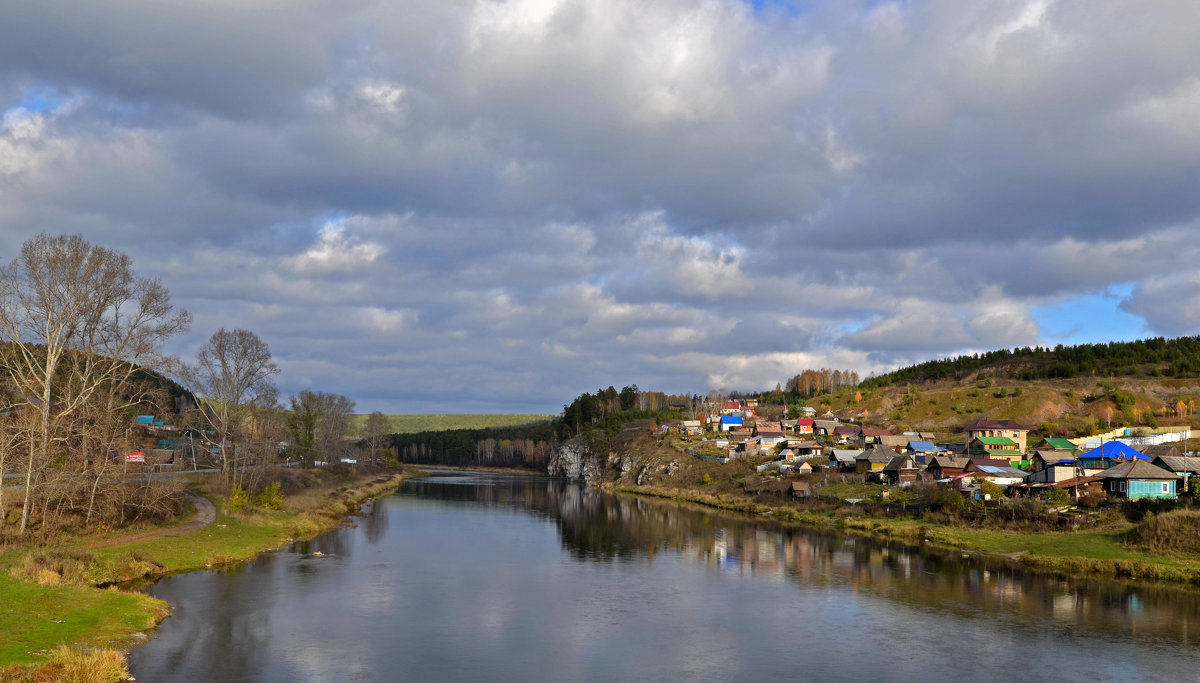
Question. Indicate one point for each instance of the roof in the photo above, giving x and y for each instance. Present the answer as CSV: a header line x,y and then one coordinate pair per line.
x,y
769,429
1162,449
900,462
1074,481
926,447
1059,444
1179,463
997,471
847,429
945,461
988,423
805,422
995,441
731,419
845,454
988,462
1136,469
800,486
1116,450
877,453
731,405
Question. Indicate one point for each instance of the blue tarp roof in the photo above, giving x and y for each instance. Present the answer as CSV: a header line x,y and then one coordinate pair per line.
x,y
924,446
145,419
731,419
1116,450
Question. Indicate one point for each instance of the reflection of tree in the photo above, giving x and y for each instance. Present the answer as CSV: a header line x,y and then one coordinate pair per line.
x,y
595,526
374,522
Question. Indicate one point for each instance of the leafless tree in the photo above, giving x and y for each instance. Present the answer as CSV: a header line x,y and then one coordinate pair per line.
x,y
375,432
77,320
319,423
233,372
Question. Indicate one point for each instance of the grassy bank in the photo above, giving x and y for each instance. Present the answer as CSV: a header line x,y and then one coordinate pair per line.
x,y
55,616
1091,552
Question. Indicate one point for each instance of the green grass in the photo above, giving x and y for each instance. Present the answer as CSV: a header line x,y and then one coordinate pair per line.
x,y
411,424
37,618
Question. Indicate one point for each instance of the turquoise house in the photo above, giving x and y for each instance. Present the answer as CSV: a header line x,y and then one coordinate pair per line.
x,y
1138,479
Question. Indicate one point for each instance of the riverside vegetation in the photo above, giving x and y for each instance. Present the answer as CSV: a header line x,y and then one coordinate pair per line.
x,y
68,614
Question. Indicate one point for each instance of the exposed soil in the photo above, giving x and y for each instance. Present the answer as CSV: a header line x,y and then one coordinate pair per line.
x,y
206,513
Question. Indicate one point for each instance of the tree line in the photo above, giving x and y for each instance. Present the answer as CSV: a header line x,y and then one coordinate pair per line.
x,y
81,355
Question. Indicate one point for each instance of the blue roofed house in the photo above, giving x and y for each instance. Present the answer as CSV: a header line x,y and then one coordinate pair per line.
x,y
923,451
1110,453
731,422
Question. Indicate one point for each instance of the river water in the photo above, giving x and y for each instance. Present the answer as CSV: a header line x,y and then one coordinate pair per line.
x,y
498,578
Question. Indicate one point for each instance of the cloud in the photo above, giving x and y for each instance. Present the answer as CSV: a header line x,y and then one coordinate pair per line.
x,y
483,204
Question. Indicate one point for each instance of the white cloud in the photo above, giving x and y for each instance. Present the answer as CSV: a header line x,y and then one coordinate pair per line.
x,y
336,251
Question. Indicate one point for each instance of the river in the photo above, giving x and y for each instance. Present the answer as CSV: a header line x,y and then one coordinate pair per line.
x,y
504,578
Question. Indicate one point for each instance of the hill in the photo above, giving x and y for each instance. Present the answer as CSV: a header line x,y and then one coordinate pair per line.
x,y
1065,391
412,424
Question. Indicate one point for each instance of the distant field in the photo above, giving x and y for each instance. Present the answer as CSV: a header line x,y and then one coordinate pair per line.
x,y
409,424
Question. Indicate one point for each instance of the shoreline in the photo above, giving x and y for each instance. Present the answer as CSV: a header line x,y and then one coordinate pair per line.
x,y
110,622
1039,554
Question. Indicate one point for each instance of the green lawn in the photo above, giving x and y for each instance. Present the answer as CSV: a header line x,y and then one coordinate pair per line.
x,y
410,424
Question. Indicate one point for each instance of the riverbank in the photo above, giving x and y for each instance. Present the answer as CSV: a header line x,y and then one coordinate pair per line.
x,y
490,470
64,611
1081,553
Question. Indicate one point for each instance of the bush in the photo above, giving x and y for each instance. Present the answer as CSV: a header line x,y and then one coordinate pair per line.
x,y
1176,531
1058,497
270,498
992,489
706,479
237,500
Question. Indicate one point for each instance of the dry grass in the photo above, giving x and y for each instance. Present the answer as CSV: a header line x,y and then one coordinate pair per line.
x,y
70,665
1176,532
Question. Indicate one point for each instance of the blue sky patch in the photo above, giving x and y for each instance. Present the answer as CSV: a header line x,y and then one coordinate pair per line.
x,y
1090,319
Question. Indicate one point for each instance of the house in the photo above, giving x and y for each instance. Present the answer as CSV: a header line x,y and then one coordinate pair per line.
x,y
997,471
1183,466
1056,444
898,443
825,427
901,469
1138,479
945,466
873,459
845,433
771,433
691,427
804,426
808,411
1164,450
801,489
1041,459
1053,471
803,467
871,435
922,451
844,459
996,447
731,408
1110,453
989,428
730,422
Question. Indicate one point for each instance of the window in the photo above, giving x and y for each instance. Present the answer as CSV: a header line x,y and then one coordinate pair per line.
x,y
1166,487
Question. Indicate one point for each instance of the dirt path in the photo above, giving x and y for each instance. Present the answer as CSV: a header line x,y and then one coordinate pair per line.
x,y
206,513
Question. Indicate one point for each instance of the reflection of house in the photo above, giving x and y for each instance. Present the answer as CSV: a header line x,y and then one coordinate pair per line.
x,y
989,428
1136,479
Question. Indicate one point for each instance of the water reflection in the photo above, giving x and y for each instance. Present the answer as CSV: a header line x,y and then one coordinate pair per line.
x,y
602,527
482,577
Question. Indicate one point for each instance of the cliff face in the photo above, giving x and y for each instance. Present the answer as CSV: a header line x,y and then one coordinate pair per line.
x,y
632,460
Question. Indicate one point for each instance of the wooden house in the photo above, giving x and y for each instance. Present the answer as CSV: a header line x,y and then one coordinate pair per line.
x,y
945,466
1138,479
901,469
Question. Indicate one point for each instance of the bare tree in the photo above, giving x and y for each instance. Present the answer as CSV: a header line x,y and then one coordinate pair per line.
x,y
233,372
375,433
319,423
77,320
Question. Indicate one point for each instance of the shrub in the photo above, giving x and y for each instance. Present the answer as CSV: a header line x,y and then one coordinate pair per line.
x,y
992,489
1176,531
270,498
706,479
1058,497
238,499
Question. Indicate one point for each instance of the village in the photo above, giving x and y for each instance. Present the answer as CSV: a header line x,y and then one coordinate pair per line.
x,y
989,461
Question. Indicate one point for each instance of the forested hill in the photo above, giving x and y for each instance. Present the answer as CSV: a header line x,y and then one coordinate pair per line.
x,y
1179,357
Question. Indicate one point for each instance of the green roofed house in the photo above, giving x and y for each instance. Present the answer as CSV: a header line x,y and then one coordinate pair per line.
x,y
1135,479
1000,447
1054,443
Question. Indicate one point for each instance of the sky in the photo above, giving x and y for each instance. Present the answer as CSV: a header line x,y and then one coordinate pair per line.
x,y
483,206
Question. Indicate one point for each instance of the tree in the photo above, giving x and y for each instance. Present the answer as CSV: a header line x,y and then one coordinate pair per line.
x,y
77,321
318,423
234,373
374,432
